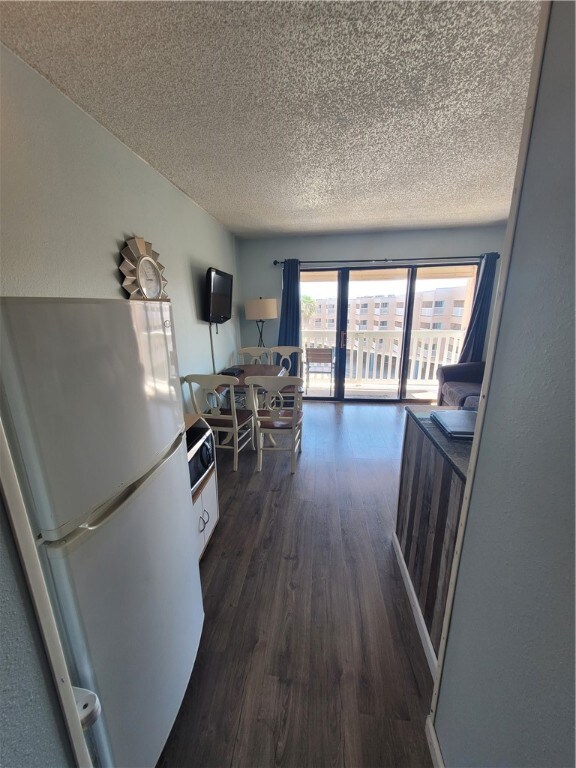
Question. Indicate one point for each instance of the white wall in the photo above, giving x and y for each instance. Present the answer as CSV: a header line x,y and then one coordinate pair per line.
x,y
507,690
259,277
70,196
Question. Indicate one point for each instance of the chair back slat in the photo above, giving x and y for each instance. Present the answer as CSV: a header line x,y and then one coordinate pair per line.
x,y
255,355
288,357
319,355
211,394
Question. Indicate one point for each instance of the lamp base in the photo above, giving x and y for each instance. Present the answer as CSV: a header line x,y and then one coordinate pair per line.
x,y
260,325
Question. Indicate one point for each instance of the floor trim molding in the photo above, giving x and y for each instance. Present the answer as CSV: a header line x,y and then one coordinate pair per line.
x,y
433,744
420,623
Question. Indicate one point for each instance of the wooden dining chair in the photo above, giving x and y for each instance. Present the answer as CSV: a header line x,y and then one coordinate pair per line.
x,y
289,357
255,355
276,403
214,398
319,360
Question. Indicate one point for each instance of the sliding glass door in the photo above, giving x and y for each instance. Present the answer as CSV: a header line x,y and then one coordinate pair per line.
x,y
441,309
375,333
381,333
319,305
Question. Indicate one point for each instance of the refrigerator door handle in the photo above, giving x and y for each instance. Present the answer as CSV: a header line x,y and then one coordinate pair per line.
x,y
88,706
112,506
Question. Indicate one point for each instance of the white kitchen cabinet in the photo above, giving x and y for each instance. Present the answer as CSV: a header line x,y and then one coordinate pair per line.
x,y
205,505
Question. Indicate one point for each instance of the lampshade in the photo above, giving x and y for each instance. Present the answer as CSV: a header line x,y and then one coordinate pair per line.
x,y
261,309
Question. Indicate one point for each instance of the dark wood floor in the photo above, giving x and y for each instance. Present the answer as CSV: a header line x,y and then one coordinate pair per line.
x,y
309,656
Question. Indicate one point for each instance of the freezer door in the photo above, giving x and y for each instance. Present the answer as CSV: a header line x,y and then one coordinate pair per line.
x,y
130,604
91,400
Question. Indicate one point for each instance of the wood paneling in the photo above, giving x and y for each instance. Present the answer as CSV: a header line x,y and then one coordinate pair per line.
x,y
429,503
310,655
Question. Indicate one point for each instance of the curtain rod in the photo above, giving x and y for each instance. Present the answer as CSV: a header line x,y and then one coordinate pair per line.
x,y
429,260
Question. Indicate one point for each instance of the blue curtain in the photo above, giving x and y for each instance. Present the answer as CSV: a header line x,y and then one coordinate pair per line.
x,y
473,348
289,333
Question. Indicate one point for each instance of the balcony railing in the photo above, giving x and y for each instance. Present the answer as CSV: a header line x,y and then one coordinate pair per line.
x,y
373,359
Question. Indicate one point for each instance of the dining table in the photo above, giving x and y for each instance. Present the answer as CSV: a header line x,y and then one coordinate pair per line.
x,y
251,369
257,369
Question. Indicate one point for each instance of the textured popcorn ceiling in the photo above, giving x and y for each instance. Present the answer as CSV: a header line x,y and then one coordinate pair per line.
x,y
280,117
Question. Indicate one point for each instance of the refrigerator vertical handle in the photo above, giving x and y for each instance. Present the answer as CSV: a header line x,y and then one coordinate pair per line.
x,y
88,706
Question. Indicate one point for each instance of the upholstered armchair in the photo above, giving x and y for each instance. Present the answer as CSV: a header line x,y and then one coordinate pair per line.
x,y
459,384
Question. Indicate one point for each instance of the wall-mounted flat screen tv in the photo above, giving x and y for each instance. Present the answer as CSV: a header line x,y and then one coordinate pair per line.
x,y
218,296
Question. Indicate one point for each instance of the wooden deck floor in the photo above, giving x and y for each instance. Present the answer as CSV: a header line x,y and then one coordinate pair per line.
x,y
309,656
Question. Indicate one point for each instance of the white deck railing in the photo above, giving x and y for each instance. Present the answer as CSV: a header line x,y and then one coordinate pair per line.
x,y
373,357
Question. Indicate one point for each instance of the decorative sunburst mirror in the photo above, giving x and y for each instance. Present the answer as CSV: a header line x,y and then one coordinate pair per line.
x,y
143,273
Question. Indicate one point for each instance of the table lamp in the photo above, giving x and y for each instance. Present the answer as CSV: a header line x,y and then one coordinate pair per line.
x,y
261,310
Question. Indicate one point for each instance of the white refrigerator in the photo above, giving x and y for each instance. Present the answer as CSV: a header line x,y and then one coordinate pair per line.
x,y
90,401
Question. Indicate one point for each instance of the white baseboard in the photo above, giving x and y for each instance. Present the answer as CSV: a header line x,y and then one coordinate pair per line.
x,y
420,623
433,744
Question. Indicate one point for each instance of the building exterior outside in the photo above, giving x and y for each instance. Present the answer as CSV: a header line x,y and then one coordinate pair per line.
x,y
375,336
437,309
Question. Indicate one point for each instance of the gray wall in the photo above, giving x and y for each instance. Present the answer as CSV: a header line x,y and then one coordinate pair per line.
x,y
70,195
259,277
507,691
32,730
